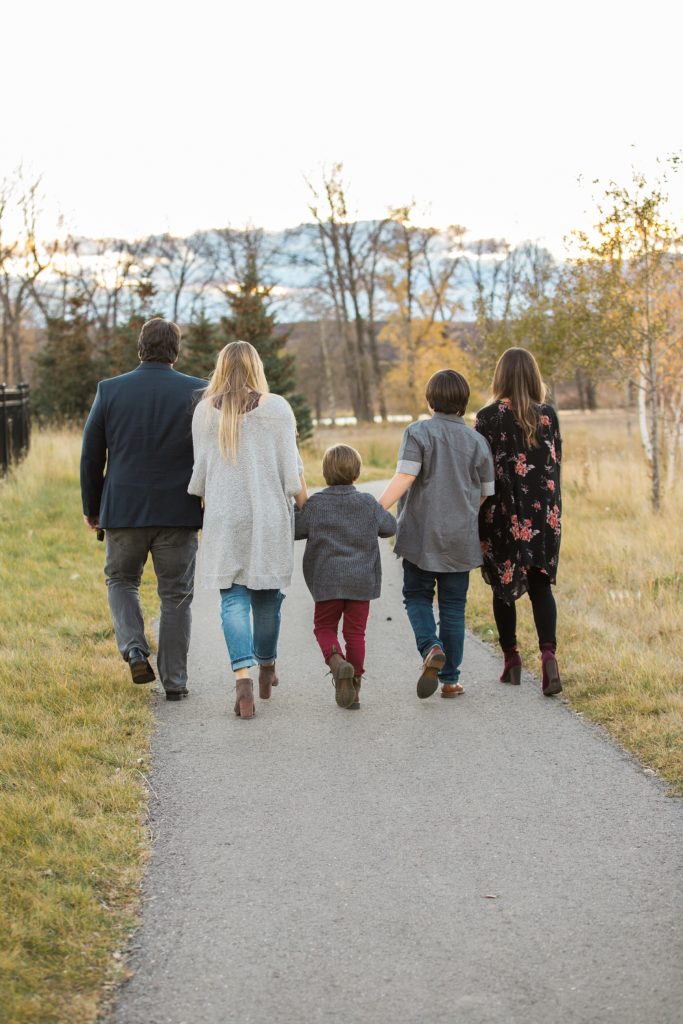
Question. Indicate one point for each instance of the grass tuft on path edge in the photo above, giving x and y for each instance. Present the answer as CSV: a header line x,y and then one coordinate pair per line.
x,y
74,741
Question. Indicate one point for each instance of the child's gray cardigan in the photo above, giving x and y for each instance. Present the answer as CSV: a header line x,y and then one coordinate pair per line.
x,y
342,561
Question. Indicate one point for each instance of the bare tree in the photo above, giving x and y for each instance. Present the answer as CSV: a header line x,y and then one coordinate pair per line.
x,y
339,255
105,274
22,261
185,265
370,257
422,264
495,271
232,251
316,305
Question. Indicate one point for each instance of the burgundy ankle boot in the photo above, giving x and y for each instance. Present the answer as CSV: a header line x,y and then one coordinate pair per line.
x,y
512,669
551,673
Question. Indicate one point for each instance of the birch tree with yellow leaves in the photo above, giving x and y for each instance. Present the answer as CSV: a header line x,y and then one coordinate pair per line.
x,y
637,250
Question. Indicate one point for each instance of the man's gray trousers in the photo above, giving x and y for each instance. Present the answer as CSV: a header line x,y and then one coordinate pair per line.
x,y
173,550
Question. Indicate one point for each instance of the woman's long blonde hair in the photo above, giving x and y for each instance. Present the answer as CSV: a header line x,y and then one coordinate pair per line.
x,y
239,370
518,378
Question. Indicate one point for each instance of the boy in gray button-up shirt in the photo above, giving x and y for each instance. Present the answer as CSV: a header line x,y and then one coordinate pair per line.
x,y
444,472
342,565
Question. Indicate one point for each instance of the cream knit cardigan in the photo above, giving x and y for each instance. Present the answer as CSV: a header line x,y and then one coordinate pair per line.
x,y
248,532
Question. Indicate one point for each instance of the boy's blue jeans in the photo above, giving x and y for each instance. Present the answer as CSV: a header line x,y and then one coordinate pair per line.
x,y
247,646
418,598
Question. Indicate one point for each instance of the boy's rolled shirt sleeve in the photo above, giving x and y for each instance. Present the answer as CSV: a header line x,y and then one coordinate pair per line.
x,y
409,456
486,471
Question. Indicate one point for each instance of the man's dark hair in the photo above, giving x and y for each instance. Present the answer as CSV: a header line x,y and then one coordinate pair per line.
x,y
159,341
448,391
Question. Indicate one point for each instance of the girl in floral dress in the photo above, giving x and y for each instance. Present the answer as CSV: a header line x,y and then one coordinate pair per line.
x,y
519,526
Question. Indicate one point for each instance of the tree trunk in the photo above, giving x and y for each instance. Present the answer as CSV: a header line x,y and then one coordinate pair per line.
x,y
654,429
5,350
327,370
642,415
674,443
367,412
17,365
377,371
580,376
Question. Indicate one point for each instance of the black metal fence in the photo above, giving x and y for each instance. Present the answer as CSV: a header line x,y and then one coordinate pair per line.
x,y
15,425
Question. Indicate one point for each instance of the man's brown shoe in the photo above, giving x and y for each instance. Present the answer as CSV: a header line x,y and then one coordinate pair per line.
x,y
428,683
140,668
452,690
267,678
342,673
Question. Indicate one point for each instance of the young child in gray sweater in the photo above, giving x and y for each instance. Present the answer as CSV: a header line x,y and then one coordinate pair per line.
x,y
342,566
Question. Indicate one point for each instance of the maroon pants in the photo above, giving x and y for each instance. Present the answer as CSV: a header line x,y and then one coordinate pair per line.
x,y
325,624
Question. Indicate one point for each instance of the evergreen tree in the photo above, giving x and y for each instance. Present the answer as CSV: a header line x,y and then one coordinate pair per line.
x,y
252,321
121,353
200,346
66,372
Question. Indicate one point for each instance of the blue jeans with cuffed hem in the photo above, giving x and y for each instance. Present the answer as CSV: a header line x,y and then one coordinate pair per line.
x,y
418,597
249,646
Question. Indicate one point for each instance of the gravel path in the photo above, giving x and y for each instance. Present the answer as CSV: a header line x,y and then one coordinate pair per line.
x,y
491,858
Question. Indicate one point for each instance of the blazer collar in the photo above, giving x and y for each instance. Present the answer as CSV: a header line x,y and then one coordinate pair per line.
x,y
154,366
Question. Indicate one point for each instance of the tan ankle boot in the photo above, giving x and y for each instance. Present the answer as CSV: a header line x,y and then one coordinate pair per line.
x,y
244,703
342,673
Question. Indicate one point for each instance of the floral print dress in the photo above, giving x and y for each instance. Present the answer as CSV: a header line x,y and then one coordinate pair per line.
x,y
520,525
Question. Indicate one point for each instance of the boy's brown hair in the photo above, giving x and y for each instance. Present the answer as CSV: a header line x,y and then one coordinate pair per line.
x,y
159,341
341,465
448,391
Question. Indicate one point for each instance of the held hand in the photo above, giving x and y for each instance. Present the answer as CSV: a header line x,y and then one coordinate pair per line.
x,y
302,497
399,484
92,522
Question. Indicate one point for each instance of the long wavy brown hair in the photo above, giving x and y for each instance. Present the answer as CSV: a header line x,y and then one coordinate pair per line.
x,y
239,370
518,378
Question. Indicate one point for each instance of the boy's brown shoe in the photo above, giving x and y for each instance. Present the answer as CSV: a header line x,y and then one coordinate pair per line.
x,y
342,673
428,683
356,685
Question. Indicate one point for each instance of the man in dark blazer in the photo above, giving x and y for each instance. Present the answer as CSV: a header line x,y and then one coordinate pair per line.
x,y
136,464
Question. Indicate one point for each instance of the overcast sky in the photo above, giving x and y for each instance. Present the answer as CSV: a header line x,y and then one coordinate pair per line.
x,y
146,116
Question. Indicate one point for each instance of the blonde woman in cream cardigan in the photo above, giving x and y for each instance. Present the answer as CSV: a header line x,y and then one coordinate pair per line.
x,y
248,471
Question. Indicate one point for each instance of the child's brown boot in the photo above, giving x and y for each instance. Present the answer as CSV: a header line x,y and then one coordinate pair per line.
x,y
342,673
356,685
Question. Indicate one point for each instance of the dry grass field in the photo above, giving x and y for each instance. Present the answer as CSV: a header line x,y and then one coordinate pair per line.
x,y
73,753
620,583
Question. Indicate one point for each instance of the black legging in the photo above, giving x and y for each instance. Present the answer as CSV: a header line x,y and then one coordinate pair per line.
x,y
542,604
